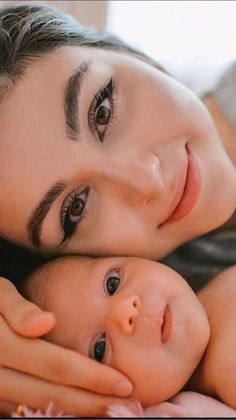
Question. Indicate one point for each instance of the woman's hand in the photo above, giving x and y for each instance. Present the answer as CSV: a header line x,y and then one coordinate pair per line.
x,y
34,372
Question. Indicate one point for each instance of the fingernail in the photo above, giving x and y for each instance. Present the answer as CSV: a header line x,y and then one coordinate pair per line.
x,y
123,389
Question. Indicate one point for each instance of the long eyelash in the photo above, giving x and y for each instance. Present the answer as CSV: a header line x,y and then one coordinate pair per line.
x,y
69,230
68,204
105,92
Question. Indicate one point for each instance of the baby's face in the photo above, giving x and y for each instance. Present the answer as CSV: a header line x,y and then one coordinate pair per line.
x,y
133,314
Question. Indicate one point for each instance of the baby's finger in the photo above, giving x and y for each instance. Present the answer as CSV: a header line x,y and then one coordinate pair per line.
x,y
48,361
38,394
21,315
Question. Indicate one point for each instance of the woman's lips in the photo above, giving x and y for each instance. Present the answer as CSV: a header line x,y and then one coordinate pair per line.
x,y
166,328
188,191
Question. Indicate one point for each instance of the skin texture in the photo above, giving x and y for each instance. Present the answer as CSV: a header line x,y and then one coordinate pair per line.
x,y
43,372
131,318
132,180
185,404
215,375
132,165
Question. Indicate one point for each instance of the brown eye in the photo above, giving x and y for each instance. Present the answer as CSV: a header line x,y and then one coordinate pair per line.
x,y
101,111
103,115
73,210
77,207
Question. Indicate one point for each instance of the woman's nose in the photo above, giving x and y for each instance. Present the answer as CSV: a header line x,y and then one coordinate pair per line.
x,y
137,178
124,313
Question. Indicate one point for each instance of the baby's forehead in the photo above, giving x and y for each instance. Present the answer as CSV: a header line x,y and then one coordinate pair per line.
x,y
51,280
70,265
78,267
71,275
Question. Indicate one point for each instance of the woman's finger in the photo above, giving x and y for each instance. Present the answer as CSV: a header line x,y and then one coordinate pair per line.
x,y
21,315
53,363
38,394
6,408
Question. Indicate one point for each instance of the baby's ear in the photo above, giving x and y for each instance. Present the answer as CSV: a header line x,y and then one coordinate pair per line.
x,y
131,408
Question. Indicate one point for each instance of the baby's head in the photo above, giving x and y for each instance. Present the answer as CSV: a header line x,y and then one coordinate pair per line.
x,y
135,315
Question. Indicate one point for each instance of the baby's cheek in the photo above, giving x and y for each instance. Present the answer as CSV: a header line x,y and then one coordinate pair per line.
x,y
145,393
145,381
155,378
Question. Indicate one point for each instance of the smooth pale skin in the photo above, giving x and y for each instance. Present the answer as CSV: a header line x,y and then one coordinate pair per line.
x,y
215,375
155,116
131,175
202,339
131,318
41,372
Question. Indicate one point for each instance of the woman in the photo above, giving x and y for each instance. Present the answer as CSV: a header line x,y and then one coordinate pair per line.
x,y
101,153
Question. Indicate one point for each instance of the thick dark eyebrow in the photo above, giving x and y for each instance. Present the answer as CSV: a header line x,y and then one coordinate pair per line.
x,y
71,97
71,109
34,225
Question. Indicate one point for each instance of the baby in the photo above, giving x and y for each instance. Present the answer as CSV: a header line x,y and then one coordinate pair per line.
x,y
142,318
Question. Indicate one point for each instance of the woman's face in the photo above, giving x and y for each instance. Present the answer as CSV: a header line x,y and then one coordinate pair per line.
x,y
141,318
103,154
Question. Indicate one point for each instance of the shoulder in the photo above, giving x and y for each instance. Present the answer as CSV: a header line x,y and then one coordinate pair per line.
x,y
219,363
220,288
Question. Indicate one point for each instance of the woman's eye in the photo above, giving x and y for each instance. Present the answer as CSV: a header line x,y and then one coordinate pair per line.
x,y
112,283
100,111
102,116
99,349
73,211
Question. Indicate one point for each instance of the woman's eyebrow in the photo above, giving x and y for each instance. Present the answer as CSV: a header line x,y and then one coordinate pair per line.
x,y
34,225
71,109
71,97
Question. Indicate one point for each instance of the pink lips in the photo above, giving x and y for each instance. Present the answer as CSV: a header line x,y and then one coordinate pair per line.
x,y
187,192
166,327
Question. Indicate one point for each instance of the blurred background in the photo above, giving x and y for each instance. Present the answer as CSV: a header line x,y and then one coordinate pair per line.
x,y
193,40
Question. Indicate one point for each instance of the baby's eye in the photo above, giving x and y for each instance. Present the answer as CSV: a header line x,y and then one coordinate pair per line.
x,y
99,349
112,282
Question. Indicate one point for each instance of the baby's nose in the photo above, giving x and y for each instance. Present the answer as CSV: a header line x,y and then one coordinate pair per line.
x,y
124,313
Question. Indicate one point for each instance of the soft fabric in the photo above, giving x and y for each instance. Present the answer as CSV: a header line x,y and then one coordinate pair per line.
x,y
49,413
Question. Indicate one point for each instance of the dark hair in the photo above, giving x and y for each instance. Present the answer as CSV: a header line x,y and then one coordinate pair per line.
x,y
28,31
